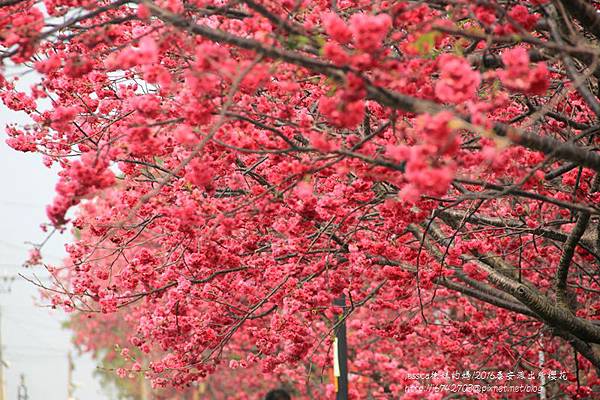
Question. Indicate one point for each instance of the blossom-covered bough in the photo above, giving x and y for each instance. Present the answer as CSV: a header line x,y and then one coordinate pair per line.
x,y
237,165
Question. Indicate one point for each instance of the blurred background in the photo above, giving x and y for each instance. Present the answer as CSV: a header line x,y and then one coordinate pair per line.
x,y
34,342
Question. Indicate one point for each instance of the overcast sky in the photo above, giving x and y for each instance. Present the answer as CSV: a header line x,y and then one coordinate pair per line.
x,y
34,342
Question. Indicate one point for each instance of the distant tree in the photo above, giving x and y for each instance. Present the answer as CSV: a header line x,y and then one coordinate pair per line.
x,y
103,335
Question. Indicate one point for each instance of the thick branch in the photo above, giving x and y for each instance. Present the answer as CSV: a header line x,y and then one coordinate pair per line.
x,y
547,310
505,223
581,347
483,293
585,13
562,271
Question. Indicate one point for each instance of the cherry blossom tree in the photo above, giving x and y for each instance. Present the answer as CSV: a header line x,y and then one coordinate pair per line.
x,y
229,168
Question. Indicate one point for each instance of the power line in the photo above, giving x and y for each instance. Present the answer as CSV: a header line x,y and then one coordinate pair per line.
x,y
3,289
70,384
24,246
40,348
20,204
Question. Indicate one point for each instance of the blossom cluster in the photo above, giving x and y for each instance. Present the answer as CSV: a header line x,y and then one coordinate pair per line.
x,y
231,170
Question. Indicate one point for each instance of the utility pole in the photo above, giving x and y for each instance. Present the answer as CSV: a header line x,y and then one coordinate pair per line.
x,y
6,281
340,354
2,362
70,385
22,390
144,392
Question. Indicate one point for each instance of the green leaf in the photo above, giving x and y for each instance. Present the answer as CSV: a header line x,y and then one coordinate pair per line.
x,y
425,44
295,41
